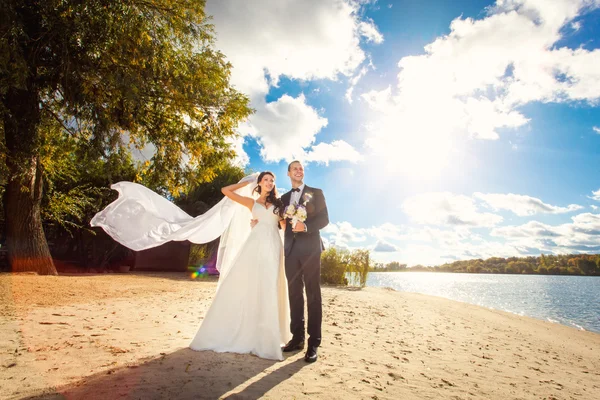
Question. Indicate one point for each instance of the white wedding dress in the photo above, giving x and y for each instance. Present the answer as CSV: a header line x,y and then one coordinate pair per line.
x,y
250,311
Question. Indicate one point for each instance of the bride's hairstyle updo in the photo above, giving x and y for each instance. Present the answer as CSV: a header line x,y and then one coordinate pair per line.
x,y
272,196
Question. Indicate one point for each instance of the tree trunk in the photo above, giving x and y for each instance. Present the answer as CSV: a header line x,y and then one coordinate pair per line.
x,y
25,239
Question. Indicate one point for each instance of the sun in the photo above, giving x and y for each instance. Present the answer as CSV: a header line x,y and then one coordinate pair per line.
x,y
417,156
416,136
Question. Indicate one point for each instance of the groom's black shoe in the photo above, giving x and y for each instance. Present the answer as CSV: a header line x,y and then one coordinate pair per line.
x,y
294,344
311,354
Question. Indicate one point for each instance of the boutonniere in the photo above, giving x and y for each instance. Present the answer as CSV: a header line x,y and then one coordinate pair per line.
x,y
306,197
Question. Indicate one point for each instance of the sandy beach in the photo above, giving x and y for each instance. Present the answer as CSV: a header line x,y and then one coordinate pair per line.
x,y
125,336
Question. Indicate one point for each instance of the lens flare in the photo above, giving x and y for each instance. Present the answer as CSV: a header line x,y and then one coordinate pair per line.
x,y
198,271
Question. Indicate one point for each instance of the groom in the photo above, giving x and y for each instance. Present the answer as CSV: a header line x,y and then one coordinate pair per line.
x,y
303,248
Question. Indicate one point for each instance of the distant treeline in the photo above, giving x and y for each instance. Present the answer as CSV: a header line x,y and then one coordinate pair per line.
x,y
566,264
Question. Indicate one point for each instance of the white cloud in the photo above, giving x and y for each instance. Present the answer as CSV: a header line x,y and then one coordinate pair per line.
x,y
353,83
286,130
343,234
449,226
530,229
554,15
349,92
338,150
594,207
473,81
424,245
368,30
306,40
596,129
595,195
241,158
384,247
302,40
581,235
447,209
387,231
523,205
587,219
434,246
534,237
286,127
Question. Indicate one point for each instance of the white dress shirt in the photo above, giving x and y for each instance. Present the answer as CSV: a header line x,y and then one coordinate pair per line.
x,y
295,197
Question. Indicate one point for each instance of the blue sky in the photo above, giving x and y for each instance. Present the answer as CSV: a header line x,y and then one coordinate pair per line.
x,y
438,130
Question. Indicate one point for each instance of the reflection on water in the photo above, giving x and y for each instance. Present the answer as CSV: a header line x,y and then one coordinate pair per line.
x,y
569,300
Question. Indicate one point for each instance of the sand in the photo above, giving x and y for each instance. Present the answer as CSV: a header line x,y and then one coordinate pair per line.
x,y
125,336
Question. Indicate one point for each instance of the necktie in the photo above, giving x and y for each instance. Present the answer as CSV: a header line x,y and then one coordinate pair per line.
x,y
296,190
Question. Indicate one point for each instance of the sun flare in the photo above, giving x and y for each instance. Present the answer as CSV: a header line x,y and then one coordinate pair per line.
x,y
414,153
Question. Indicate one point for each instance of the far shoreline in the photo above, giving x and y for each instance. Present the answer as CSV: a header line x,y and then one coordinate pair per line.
x,y
485,273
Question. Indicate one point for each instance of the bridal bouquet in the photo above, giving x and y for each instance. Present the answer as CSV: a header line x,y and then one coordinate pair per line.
x,y
296,213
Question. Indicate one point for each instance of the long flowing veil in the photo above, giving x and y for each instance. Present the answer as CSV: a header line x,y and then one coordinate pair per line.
x,y
141,219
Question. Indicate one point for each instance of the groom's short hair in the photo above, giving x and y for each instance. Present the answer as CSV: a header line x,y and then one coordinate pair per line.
x,y
293,162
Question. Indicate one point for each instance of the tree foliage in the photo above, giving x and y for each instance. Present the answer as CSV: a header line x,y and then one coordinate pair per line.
x,y
77,180
343,267
111,74
563,264
199,197
359,266
144,71
334,263
389,267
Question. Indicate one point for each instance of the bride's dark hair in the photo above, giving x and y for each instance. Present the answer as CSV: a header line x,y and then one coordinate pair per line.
x,y
272,196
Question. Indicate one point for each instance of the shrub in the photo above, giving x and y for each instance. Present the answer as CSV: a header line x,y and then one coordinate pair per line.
x,y
337,265
333,266
358,267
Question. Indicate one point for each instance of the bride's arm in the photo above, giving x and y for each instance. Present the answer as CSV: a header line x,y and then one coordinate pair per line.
x,y
229,191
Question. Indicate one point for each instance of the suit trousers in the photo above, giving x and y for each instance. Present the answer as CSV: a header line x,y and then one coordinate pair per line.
x,y
303,271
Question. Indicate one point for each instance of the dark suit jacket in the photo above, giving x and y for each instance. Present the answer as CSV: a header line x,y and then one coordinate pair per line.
x,y
317,218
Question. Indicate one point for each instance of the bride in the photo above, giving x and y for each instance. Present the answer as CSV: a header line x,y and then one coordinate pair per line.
x,y
250,310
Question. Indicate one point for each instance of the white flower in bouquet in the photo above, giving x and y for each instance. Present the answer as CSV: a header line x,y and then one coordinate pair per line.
x,y
301,213
290,211
296,213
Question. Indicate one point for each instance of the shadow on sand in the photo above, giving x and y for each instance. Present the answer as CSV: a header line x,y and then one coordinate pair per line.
x,y
183,374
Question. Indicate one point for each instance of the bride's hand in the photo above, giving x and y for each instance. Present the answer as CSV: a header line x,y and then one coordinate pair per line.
x,y
253,223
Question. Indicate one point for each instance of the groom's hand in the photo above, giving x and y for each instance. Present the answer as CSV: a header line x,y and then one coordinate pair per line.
x,y
253,223
300,227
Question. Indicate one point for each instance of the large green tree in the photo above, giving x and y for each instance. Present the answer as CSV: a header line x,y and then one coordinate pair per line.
x,y
198,198
109,72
